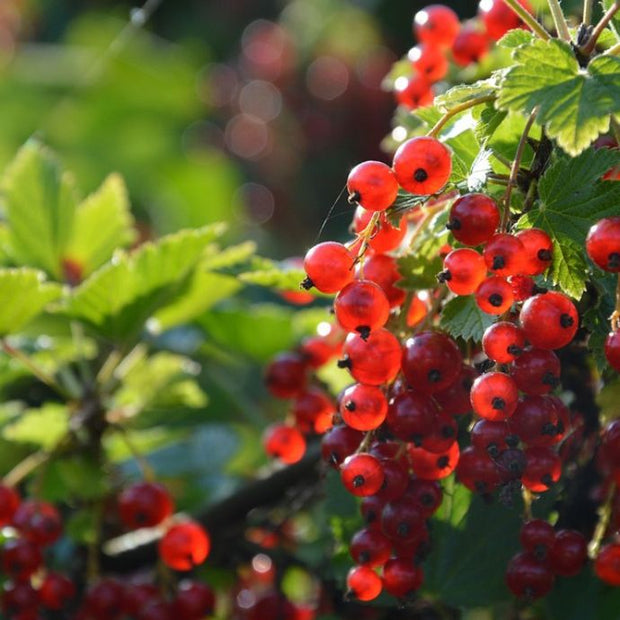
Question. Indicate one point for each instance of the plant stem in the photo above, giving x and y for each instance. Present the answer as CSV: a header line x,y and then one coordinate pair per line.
x,y
527,504
456,110
39,373
145,468
604,516
588,48
528,19
587,12
614,319
559,20
25,467
514,171
614,50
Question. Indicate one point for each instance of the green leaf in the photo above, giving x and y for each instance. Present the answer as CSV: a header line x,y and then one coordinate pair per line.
x,y
574,105
607,399
418,271
614,24
516,38
572,198
488,120
118,299
599,307
102,224
76,476
462,318
41,427
464,93
26,294
275,277
40,208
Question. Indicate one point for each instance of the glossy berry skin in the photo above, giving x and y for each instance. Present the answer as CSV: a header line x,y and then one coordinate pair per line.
x,y
469,46
401,577
370,547
569,553
373,185
542,469
285,443
402,520
498,18
538,249
455,398
338,443
503,342
426,495
362,474
535,420
145,504
184,546
550,320
522,287
194,599
362,306
603,244
38,521
443,434
494,295
410,416
473,219
477,471
56,591
19,597
422,165
537,537
429,61
385,236
363,583
329,266
612,350
313,410
436,25
9,501
490,436
20,559
104,599
528,578
375,360
494,396
413,92
285,376
463,271
607,564
430,466
382,269
431,361
536,371
504,255
363,407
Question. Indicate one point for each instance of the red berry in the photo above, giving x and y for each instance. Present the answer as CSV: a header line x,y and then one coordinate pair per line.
x,y
184,546
522,287
410,416
385,236
494,295
362,306
503,342
603,244
538,250
498,18
329,266
535,420
490,436
422,165
463,271
363,407
401,577
536,371
21,558
504,255
429,61
607,564
469,46
443,434
362,474
193,600
284,442
527,577
38,522
402,520
473,219
313,410
285,376
550,320
494,396
104,599
338,443
537,537
373,185
431,361
9,501
612,350
569,553
477,471
56,591
19,597
413,92
375,360
145,504
426,495
436,24
542,469
363,583
455,398
370,548
383,270
431,466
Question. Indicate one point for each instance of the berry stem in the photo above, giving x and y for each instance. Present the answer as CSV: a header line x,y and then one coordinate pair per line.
x,y
587,12
559,20
604,516
615,316
514,171
434,131
25,467
588,48
614,50
527,504
39,373
529,19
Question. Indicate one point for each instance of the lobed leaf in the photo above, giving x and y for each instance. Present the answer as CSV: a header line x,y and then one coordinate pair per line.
x,y
462,318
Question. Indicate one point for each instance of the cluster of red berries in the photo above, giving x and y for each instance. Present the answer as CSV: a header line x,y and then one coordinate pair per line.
x,y
443,39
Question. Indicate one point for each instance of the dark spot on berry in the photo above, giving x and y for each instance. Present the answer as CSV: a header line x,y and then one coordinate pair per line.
x,y
499,262
358,481
363,331
454,224
539,290
613,260
416,440
306,284
512,441
434,376
547,480
515,350
344,363
350,405
364,557
549,429
498,403
544,254
426,499
447,432
443,461
550,379
481,367
493,450
566,320
444,276
496,300
403,529
420,175
354,197
540,552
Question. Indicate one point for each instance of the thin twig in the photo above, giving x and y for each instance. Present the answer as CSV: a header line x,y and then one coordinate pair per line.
x,y
25,467
559,20
514,171
456,110
529,19
587,12
588,48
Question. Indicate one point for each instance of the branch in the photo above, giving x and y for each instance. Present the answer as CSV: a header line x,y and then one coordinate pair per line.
x,y
456,110
559,20
588,48
528,19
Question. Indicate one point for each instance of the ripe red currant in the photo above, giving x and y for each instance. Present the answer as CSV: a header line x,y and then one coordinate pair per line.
x,y
284,442
494,295
362,306
437,25
494,396
603,244
184,546
363,407
363,583
473,219
463,271
329,266
503,342
422,165
362,474
550,320
373,185
145,504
